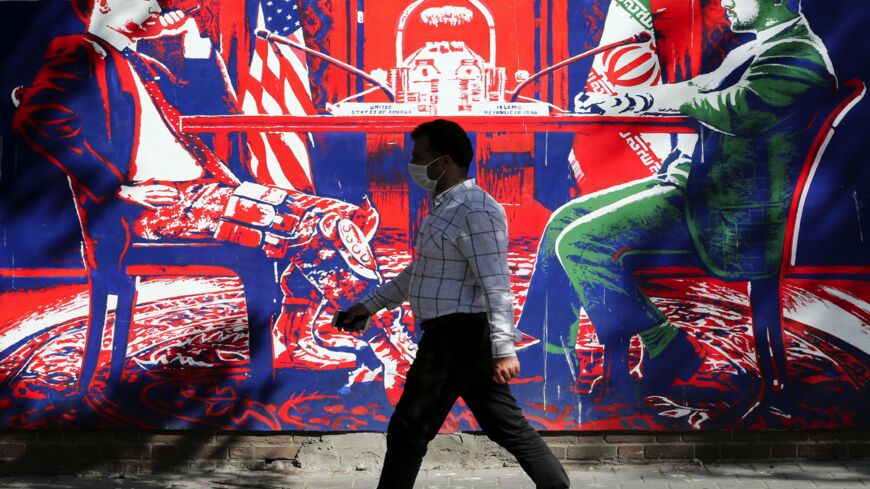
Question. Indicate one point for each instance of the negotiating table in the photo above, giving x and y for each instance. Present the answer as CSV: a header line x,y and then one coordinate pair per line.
x,y
472,123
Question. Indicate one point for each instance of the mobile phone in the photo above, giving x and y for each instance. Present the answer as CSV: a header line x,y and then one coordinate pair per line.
x,y
359,323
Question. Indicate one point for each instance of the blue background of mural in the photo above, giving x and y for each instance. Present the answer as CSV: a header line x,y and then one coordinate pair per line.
x,y
39,228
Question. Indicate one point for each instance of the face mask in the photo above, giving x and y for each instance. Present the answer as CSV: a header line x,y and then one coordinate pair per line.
x,y
420,174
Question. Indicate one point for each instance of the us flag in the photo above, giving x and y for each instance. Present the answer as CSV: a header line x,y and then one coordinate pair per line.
x,y
277,83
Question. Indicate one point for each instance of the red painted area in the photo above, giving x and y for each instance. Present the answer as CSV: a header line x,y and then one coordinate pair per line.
x,y
679,37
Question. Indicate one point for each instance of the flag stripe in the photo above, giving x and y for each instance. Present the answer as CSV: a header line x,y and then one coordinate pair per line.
x,y
277,84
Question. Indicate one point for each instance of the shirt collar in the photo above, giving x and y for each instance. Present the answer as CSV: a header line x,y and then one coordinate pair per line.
x,y
767,34
453,191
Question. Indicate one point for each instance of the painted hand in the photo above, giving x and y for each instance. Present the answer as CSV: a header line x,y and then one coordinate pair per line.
x,y
172,23
148,195
600,104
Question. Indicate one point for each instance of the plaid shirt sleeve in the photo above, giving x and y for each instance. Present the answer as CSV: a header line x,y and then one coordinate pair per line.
x,y
392,293
483,240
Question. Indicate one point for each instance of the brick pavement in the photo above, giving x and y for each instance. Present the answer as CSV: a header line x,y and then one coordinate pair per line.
x,y
833,475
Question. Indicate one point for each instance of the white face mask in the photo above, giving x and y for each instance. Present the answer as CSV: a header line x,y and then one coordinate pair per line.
x,y
420,174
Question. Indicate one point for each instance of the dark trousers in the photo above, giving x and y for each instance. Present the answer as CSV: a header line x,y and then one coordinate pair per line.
x,y
454,359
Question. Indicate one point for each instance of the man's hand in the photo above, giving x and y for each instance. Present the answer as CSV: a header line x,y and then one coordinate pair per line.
x,y
179,23
592,103
505,369
355,311
600,104
174,23
148,195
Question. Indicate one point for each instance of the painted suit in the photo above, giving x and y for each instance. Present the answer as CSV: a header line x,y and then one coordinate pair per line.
x,y
724,209
81,114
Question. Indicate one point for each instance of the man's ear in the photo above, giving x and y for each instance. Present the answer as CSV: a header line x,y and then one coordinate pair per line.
x,y
449,161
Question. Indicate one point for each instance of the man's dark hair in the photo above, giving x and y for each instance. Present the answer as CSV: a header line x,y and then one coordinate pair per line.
x,y
446,138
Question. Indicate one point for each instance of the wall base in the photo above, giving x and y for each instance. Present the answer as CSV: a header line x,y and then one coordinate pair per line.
x,y
131,452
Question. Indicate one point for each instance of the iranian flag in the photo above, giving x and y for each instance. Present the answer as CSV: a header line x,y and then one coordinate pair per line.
x,y
609,157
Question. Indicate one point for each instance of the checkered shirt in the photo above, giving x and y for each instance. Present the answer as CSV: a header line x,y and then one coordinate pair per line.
x,y
460,265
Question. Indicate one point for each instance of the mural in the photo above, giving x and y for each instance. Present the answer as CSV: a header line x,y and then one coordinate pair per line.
x,y
191,190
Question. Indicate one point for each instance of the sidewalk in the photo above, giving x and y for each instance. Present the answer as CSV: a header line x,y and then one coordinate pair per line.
x,y
656,476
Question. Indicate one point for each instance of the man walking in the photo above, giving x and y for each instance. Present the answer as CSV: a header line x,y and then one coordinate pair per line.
x,y
459,289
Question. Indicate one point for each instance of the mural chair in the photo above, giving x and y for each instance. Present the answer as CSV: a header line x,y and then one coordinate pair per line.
x,y
765,295
188,257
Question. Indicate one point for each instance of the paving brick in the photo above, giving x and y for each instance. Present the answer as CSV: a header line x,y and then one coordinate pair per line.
x,y
97,437
124,451
779,468
12,450
204,453
44,450
202,465
646,476
745,436
822,450
749,451
668,438
644,485
244,451
840,484
838,435
741,484
372,484
732,470
307,438
131,467
18,435
591,452
164,452
166,466
630,452
197,438
288,452
791,484
689,477
19,466
560,451
705,437
52,436
281,440
590,438
240,439
668,451
708,453
859,450
777,436
783,450
629,438
828,468
560,439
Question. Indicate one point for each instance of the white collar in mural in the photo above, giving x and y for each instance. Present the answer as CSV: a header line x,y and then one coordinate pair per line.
x,y
770,32
116,39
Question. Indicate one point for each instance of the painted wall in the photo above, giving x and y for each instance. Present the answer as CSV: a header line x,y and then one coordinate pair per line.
x,y
172,259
